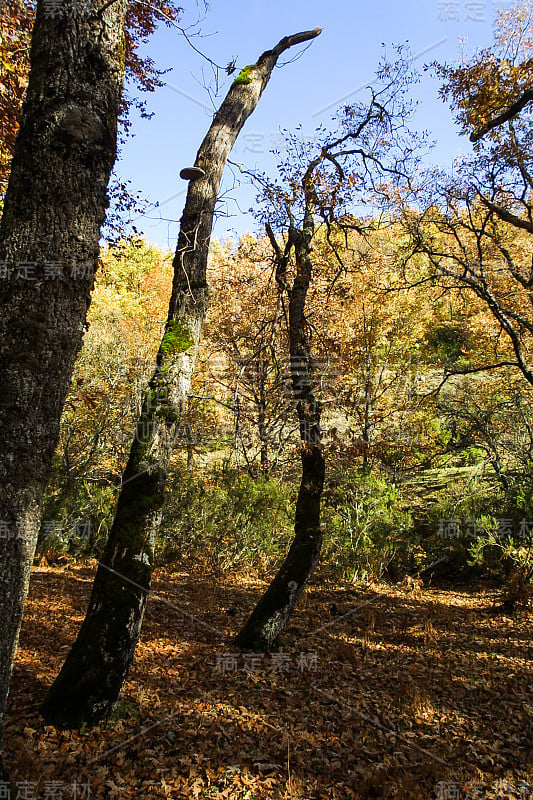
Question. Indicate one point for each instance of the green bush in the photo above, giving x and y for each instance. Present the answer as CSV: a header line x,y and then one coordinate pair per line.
x,y
235,521
366,527
76,518
478,525
230,518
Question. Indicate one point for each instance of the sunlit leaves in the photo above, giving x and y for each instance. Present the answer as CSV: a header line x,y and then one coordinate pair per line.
x,y
495,77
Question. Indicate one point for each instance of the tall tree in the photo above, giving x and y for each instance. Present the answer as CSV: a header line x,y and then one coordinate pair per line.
x,y
338,174
273,609
94,671
54,208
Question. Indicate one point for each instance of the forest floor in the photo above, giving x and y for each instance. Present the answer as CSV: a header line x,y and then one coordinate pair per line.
x,y
376,691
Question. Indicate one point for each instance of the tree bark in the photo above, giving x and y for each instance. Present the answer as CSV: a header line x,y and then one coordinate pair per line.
x,y
54,208
263,437
95,669
270,616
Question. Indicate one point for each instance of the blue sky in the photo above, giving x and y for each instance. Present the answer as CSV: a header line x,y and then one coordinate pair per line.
x,y
304,93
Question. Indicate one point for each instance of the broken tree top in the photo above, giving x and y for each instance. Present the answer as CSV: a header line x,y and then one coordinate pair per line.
x,y
191,173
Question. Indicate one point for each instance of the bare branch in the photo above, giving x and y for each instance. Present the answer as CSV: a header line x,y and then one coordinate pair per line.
x,y
290,41
470,371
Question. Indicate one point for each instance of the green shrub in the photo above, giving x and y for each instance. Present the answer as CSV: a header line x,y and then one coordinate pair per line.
x,y
76,518
366,527
235,521
479,526
232,519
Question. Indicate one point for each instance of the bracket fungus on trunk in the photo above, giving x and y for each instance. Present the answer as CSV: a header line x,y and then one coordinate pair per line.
x,y
192,173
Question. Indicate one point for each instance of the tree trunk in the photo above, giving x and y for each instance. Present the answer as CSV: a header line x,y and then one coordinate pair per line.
x,y
263,434
54,208
273,610
270,616
94,671
366,416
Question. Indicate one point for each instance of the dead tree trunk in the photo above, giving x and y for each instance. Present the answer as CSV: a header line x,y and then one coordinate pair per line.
x,y
273,610
54,208
95,669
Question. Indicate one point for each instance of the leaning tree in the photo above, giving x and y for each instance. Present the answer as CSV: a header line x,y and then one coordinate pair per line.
x,y
96,666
